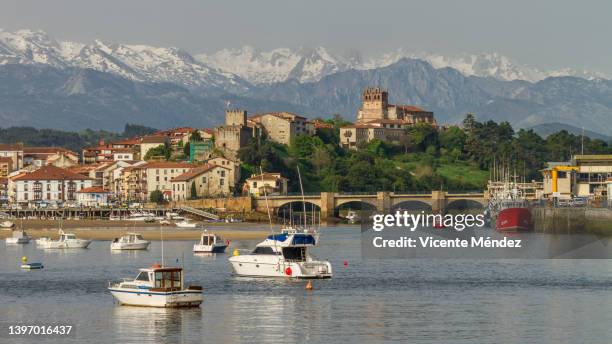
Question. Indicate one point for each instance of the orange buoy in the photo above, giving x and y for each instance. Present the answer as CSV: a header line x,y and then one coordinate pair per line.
x,y
309,285
155,266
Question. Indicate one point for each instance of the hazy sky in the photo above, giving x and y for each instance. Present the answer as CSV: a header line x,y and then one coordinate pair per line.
x,y
545,34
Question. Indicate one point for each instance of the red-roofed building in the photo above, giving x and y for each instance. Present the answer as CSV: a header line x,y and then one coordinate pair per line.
x,y
48,183
269,183
377,119
209,180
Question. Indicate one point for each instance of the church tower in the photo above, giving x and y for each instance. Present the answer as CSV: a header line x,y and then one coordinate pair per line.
x,y
374,104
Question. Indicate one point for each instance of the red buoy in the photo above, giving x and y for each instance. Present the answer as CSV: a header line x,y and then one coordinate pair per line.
x,y
346,263
288,271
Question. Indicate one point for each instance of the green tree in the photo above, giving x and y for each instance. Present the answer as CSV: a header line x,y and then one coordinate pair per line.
x,y
194,191
159,151
195,136
156,196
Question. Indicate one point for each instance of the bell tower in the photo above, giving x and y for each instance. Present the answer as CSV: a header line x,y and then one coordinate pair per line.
x,y
374,103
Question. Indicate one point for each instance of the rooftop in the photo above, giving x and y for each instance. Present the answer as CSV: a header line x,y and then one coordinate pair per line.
x,y
51,173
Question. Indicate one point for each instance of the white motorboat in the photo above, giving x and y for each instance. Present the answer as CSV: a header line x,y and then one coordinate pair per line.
x,y
130,241
66,240
174,216
186,224
141,216
353,217
282,255
210,243
19,237
7,224
42,241
157,286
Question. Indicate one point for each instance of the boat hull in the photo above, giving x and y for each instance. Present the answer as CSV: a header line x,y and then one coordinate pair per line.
x,y
197,248
66,245
146,298
129,246
246,265
17,240
513,220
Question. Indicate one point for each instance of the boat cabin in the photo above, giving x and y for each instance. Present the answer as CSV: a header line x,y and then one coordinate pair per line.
x,y
130,237
160,279
67,236
209,239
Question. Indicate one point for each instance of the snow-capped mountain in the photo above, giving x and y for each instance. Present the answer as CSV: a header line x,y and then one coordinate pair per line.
x,y
277,65
231,70
307,65
135,62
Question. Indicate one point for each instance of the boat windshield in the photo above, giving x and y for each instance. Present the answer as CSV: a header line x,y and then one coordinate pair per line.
x,y
264,250
143,276
294,253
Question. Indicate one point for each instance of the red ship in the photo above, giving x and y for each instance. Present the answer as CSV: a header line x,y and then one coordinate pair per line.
x,y
513,218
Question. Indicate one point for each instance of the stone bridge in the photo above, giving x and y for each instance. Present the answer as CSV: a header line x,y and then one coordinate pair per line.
x,y
329,203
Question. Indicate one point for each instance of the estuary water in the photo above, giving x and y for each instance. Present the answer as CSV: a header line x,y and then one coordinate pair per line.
x,y
367,301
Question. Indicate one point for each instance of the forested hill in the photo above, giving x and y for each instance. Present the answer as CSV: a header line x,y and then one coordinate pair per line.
x,y
72,140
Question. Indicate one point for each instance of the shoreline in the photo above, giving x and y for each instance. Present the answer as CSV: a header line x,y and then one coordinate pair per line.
x,y
108,230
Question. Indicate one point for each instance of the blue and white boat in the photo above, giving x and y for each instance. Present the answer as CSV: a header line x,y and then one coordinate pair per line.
x,y
210,243
282,255
157,286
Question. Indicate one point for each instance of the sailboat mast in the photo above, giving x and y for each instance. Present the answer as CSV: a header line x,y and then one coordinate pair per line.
x,y
302,190
266,197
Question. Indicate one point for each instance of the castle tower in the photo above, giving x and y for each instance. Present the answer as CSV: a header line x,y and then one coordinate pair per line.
x,y
235,117
374,103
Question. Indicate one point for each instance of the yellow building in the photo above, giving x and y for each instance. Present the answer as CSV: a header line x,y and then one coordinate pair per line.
x,y
583,176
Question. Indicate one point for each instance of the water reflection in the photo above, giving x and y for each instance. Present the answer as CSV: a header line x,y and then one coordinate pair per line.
x,y
155,325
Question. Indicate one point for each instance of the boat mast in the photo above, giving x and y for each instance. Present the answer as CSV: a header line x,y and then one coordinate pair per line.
x,y
303,199
161,236
266,197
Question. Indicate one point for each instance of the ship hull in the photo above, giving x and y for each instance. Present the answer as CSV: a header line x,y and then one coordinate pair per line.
x,y
513,220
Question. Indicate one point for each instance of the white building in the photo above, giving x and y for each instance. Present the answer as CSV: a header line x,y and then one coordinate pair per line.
x,y
48,184
93,196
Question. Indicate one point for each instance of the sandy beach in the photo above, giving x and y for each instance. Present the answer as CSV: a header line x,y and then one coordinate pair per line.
x,y
107,230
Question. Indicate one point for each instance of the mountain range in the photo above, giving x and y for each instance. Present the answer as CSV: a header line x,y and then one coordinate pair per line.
x,y
64,85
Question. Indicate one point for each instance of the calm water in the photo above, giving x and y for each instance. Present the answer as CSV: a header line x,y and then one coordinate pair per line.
x,y
369,301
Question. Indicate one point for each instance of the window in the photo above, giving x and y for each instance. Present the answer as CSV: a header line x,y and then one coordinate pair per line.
x,y
143,276
263,250
220,181
254,184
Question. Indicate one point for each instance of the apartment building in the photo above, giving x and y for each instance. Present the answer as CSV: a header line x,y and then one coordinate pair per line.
x,y
282,127
15,152
48,183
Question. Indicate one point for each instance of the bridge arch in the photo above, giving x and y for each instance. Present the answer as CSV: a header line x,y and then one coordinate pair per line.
x,y
343,207
463,205
412,205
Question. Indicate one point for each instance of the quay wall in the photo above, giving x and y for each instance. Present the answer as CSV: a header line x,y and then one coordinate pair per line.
x,y
573,220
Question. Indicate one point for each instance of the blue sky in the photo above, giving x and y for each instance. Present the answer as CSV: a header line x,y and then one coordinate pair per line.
x,y
545,34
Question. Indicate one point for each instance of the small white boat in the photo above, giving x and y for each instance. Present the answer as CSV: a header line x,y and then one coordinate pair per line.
x,y
141,216
174,216
282,255
66,240
353,216
130,241
7,224
19,237
186,224
32,266
165,222
42,241
210,243
157,286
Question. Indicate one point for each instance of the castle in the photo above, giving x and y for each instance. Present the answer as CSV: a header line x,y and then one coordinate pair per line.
x,y
377,119
375,107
